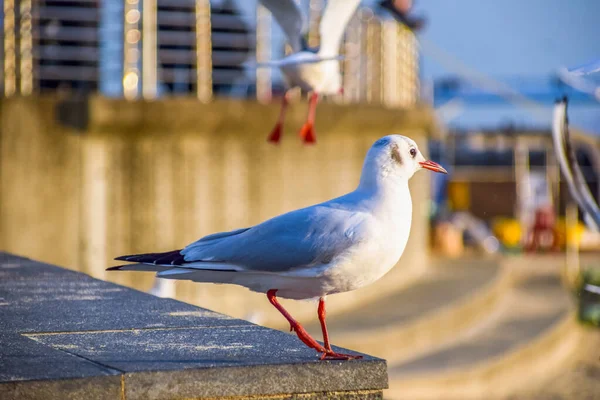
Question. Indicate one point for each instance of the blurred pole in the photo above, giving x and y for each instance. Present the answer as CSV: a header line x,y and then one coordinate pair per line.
x,y
149,50
408,61
553,177
315,12
9,49
264,89
131,50
352,61
373,60
521,159
25,48
571,243
389,63
204,84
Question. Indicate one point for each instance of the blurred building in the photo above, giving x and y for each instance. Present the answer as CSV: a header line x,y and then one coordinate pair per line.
x,y
152,48
94,45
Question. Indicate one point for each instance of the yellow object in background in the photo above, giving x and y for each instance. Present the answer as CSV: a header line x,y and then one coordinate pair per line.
x,y
569,234
508,231
459,195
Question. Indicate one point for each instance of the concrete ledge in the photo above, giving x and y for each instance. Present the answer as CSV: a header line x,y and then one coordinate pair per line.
x,y
66,336
435,327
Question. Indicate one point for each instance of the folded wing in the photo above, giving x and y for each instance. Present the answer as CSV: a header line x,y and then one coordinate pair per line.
x,y
300,239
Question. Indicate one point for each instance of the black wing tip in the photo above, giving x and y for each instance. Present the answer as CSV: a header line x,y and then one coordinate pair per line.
x,y
173,257
117,268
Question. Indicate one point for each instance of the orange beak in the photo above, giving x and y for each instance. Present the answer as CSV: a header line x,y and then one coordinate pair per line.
x,y
432,166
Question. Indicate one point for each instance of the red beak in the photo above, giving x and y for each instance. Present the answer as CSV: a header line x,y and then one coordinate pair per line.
x,y
432,166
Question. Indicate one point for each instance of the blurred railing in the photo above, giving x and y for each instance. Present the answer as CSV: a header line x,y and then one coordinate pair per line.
x,y
152,48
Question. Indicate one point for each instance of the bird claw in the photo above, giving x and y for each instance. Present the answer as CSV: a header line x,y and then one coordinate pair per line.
x,y
331,355
307,133
275,135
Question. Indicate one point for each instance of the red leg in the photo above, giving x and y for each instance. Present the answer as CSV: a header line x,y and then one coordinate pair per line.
x,y
321,312
294,325
307,133
275,135
329,354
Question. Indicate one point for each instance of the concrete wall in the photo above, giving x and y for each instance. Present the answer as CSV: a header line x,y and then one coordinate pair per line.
x,y
154,176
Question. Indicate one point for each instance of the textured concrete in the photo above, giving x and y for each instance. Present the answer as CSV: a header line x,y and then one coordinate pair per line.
x,y
65,334
448,283
515,327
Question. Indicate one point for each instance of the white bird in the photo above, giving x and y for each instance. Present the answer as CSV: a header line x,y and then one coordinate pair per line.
x,y
315,71
336,246
590,68
574,77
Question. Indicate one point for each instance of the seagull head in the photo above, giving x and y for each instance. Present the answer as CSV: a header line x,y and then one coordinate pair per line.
x,y
395,158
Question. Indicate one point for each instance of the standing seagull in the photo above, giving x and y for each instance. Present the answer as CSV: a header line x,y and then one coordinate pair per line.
x,y
313,70
332,247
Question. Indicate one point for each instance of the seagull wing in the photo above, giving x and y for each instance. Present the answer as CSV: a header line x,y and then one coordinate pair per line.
x,y
333,24
302,239
586,69
578,82
288,15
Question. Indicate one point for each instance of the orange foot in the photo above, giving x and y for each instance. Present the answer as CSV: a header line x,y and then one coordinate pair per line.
x,y
331,355
307,133
275,135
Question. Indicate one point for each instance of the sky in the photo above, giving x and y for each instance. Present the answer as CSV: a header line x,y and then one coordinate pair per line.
x,y
511,37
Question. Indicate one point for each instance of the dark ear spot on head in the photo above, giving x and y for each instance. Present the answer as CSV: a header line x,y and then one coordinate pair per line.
x,y
396,154
382,142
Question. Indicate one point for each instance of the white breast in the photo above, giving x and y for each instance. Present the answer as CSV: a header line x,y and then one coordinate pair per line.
x,y
372,259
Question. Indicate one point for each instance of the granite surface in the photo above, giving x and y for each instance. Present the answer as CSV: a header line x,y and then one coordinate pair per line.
x,y
65,335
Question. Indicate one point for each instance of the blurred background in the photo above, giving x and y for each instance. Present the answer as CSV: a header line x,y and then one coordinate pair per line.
x,y
135,126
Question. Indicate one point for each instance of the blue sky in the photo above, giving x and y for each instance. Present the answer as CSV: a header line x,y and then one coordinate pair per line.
x,y
512,37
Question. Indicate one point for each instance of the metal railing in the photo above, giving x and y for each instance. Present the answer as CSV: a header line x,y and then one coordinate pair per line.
x,y
136,49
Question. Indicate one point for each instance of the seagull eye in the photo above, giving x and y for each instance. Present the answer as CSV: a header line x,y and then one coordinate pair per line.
x,y
413,152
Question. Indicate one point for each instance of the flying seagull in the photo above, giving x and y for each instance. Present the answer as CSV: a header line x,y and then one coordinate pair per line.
x,y
333,247
313,70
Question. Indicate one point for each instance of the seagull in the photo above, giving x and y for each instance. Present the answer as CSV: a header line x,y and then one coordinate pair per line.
x,y
332,247
313,70
577,78
591,67
565,153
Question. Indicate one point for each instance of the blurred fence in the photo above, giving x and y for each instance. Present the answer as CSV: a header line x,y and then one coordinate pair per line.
x,y
153,48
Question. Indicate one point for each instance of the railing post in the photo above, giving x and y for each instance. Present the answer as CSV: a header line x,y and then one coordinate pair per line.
x,y
352,60
9,47
149,50
264,88
203,51
131,50
25,48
